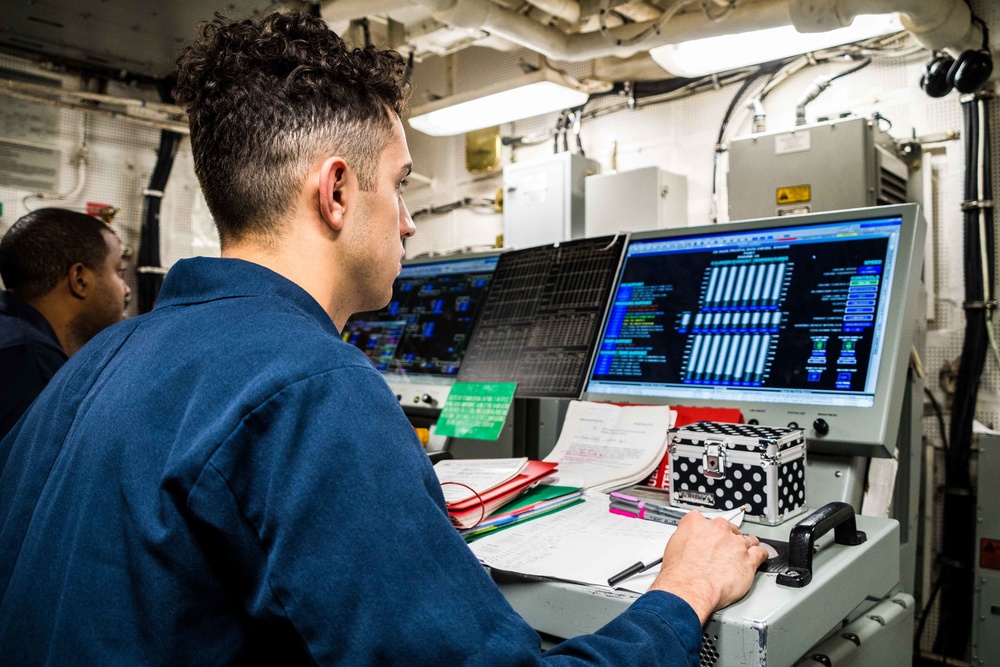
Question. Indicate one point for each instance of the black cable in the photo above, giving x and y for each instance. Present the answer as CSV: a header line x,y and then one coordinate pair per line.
x,y
149,283
466,202
766,69
555,136
408,77
864,63
366,31
942,431
575,121
925,612
958,521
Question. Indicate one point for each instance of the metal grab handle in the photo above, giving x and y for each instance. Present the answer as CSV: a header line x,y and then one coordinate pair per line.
x,y
836,516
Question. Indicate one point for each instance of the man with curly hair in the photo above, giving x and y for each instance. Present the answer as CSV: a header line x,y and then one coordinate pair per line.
x,y
224,480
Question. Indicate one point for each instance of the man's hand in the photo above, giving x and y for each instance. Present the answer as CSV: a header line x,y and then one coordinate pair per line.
x,y
708,563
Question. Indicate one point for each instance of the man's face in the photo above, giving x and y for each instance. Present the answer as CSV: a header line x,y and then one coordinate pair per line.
x,y
380,223
105,303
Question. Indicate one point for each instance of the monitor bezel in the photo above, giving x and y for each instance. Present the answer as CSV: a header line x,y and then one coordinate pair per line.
x,y
847,435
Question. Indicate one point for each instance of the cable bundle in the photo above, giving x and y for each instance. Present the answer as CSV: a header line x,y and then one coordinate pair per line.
x,y
958,524
150,273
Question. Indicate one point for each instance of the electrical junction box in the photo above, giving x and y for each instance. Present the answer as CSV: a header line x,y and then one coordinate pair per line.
x,y
986,596
543,199
635,201
829,166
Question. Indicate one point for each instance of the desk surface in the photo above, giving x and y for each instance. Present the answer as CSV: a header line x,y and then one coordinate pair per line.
x,y
772,625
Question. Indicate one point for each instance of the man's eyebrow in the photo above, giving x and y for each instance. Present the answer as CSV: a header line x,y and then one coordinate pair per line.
x,y
406,169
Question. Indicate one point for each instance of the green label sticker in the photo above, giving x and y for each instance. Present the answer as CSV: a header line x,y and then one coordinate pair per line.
x,y
476,410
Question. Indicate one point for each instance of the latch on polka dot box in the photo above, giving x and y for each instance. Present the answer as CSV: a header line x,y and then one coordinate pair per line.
x,y
719,466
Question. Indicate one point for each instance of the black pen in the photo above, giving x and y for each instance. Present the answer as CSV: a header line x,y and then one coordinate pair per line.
x,y
632,570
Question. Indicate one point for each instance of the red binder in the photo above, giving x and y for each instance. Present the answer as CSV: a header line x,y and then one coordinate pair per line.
x,y
470,512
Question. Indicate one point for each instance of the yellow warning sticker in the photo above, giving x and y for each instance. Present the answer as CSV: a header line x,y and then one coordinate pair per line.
x,y
794,194
989,553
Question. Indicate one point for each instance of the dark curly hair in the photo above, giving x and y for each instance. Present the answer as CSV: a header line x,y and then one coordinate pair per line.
x,y
37,251
266,98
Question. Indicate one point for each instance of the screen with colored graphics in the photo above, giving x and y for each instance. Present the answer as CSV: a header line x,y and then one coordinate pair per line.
x,y
793,312
426,326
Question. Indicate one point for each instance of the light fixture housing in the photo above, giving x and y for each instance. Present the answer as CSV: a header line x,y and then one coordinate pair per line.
x,y
702,57
542,91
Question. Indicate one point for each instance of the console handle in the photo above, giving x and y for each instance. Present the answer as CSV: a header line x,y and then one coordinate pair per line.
x,y
835,516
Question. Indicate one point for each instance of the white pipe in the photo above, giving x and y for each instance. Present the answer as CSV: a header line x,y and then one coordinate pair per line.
x,y
936,24
557,45
345,10
567,10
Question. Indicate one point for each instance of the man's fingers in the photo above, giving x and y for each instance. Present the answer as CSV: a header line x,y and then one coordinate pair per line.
x,y
733,528
758,554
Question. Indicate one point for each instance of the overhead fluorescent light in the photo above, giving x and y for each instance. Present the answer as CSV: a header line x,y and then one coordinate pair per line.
x,y
539,92
701,57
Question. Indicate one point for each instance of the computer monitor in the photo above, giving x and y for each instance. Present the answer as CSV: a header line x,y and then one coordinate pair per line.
x,y
803,320
541,321
425,328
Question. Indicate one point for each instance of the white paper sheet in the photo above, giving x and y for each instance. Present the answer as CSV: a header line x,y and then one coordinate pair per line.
x,y
604,446
479,474
583,544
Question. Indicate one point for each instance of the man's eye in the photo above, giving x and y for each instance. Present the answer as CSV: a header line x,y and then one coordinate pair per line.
x,y
403,183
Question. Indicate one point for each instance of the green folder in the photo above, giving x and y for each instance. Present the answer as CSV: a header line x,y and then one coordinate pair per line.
x,y
537,494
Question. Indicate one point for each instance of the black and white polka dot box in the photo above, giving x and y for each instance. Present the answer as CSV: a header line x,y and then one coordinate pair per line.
x,y
716,466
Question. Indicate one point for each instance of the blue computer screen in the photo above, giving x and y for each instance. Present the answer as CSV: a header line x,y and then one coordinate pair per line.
x,y
426,326
791,314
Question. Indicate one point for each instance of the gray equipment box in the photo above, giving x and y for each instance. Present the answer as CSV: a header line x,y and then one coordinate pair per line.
x,y
635,201
829,166
544,199
723,466
986,599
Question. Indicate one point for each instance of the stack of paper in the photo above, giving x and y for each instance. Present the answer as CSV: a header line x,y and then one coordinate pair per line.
x,y
475,488
603,447
537,501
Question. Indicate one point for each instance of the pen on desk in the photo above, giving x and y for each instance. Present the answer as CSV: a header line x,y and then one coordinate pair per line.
x,y
643,514
634,504
632,570
646,508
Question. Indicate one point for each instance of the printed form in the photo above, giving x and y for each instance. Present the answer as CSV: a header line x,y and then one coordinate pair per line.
x,y
605,447
584,544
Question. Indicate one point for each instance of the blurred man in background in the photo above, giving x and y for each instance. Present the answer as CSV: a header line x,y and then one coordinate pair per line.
x,y
65,281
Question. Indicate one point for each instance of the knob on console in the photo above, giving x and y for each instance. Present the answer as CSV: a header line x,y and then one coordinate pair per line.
x,y
821,426
428,399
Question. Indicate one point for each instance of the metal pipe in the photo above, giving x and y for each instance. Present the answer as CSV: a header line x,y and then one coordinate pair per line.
x,y
567,10
345,10
557,45
936,24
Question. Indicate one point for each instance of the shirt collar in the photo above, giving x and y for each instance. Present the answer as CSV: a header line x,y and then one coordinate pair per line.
x,y
15,306
204,279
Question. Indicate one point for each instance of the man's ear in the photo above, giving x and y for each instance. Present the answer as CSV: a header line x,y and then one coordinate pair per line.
x,y
333,192
76,279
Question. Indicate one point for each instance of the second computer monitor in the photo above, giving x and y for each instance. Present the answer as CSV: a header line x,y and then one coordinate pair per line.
x,y
426,326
